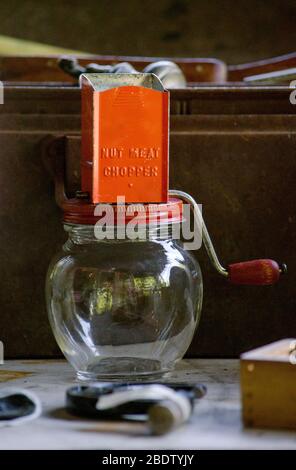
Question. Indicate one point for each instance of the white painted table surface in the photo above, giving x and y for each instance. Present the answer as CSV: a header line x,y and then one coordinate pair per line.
x,y
215,424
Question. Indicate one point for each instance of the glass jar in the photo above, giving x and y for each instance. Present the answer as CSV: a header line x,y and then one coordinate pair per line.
x,y
123,309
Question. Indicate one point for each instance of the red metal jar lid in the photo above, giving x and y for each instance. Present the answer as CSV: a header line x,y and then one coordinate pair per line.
x,y
80,212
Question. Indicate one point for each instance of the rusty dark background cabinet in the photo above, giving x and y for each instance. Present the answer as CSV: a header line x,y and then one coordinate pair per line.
x,y
232,148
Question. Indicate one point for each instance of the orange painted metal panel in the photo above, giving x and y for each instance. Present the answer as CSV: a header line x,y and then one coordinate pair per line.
x,y
125,144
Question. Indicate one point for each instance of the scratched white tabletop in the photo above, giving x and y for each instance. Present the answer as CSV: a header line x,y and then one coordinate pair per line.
x,y
215,424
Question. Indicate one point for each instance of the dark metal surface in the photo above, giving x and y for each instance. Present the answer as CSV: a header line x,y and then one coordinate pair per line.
x,y
232,149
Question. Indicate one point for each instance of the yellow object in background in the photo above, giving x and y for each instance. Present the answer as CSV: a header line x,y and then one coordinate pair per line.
x,y
12,46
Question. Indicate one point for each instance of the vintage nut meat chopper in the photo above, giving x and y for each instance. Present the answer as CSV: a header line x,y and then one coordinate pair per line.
x,y
124,306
